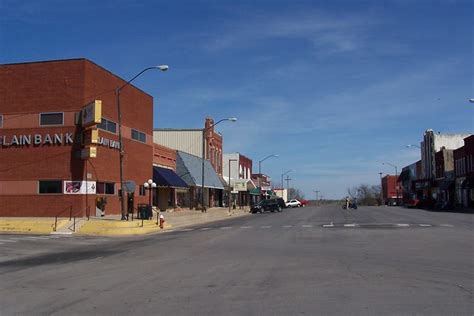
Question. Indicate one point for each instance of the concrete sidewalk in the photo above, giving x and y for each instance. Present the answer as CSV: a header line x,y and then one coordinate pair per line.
x,y
111,225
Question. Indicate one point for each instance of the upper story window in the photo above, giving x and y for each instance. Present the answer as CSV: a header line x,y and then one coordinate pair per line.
x,y
1,120
137,135
107,125
56,118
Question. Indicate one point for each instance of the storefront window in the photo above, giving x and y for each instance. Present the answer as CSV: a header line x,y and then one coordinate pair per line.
x,y
105,188
50,186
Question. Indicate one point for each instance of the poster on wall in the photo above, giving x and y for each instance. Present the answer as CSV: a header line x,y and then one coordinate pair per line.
x,y
80,187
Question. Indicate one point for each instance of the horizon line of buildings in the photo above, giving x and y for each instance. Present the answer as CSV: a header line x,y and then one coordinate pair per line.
x,y
62,142
442,178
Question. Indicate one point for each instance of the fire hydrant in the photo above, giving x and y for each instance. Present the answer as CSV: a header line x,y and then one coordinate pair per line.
x,y
162,221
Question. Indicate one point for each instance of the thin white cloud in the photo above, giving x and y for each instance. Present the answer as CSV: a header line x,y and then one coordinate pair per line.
x,y
336,33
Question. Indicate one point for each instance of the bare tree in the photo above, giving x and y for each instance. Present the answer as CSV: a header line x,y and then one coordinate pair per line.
x,y
365,194
295,194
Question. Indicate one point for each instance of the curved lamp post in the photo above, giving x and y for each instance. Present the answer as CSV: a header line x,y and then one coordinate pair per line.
x,y
150,185
284,173
204,130
122,150
260,169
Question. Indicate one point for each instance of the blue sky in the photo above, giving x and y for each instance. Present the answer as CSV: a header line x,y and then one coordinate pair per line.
x,y
334,88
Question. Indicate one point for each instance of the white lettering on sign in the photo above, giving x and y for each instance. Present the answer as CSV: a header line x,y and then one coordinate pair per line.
x,y
38,139
50,139
108,143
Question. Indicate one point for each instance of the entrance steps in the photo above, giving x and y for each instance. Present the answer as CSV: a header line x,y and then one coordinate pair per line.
x,y
70,227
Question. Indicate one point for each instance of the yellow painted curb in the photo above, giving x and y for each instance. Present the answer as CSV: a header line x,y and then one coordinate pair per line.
x,y
29,226
117,228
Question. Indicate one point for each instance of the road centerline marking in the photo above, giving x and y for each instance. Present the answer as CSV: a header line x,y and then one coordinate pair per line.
x,y
403,225
349,225
288,226
425,225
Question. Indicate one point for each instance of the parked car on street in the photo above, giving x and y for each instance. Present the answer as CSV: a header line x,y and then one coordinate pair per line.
x,y
293,203
271,205
304,203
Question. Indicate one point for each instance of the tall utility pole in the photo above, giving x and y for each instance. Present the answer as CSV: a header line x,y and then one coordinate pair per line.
x,y
288,186
315,191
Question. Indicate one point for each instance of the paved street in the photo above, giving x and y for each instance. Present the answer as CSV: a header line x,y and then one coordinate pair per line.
x,y
308,261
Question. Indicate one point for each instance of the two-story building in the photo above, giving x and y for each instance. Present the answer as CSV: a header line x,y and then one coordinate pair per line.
x,y
57,157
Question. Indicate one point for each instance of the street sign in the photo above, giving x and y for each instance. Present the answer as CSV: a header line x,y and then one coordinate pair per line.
x,y
90,136
89,152
91,114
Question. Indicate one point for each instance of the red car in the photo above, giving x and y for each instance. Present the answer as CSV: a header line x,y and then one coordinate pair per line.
x,y
412,203
304,203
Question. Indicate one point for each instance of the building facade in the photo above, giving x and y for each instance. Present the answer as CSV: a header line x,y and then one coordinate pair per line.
x,y
432,143
46,170
191,141
464,173
237,174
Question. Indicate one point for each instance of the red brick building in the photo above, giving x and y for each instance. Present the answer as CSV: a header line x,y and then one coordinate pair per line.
x,y
464,173
41,170
390,190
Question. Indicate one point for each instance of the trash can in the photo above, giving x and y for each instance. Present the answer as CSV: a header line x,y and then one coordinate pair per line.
x,y
142,211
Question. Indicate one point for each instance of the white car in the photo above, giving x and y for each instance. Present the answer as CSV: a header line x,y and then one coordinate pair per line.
x,y
293,203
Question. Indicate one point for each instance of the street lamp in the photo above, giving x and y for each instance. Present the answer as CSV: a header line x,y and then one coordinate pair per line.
x,y
396,176
260,162
204,130
284,173
149,185
316,191
229,196
122,151
413,145
471,100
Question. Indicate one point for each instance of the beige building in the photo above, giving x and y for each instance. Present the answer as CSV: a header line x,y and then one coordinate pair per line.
x,y
190,141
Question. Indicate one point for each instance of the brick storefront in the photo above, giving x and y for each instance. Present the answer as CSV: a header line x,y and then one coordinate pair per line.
x,y
66,86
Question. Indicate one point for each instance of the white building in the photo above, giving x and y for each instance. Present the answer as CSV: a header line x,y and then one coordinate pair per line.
x,y
432,143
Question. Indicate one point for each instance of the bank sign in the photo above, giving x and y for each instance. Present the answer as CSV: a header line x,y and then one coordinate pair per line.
x,y
37,139
49,139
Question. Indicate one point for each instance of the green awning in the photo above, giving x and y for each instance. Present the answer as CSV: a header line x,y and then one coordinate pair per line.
x,y
255,191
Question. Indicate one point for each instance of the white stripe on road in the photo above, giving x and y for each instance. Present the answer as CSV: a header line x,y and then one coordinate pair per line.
x,y
226,227
328,225
205,228
403,225
245,227
36,238
288,226
446,225
349,225
185,230
266,227
8,240
306,226
424,225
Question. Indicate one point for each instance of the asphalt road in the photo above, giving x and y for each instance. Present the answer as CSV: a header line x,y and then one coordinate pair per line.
x,y
309,261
